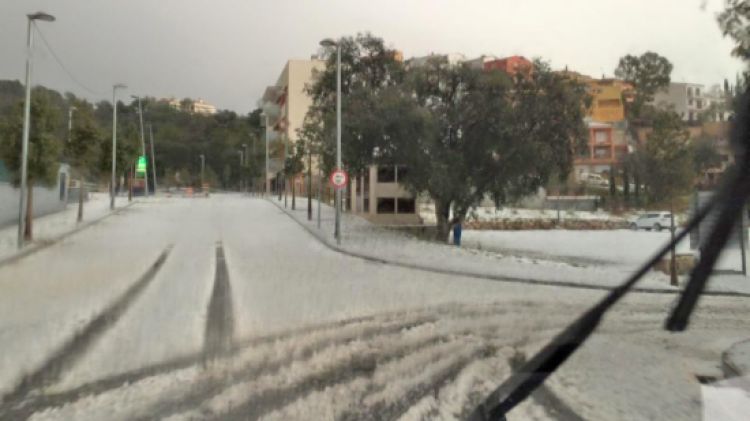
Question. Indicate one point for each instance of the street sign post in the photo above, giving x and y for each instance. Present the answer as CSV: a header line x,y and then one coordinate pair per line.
x,y
339,179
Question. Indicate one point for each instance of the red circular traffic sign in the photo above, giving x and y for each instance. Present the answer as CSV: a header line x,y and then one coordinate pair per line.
x,y
339,178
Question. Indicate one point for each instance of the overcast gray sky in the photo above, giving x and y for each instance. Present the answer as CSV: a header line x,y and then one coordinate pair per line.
x,y
227,51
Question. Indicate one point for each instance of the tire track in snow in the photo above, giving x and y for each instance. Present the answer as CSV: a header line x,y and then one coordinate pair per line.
x,y
416,387
365,326
219,334
217,382
339,370
290,347
70,352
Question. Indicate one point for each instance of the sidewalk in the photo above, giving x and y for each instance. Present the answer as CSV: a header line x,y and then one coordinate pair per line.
x,y
50,227
363,239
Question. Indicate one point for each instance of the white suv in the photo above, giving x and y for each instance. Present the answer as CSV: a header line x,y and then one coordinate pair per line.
x,y
655,221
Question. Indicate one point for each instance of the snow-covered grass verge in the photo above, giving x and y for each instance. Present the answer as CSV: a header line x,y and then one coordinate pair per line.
x,y
490,213
601,259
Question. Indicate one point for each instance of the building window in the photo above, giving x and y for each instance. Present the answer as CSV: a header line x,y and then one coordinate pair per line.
x,y
401,173
699,104
386,205
602,153
697,91
366,205
690,102
386,174
406,205
690,91
691,116
600,137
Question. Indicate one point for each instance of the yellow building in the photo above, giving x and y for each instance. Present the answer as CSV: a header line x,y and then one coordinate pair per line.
x,y
607,95
607,99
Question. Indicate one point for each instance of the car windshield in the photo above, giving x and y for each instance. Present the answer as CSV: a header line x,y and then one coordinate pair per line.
x,y
358,210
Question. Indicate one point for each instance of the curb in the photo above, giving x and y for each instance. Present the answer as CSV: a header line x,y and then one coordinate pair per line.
x,y
728,366
51,242
485,276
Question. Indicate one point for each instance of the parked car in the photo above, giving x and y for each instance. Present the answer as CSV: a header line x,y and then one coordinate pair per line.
x,y
652,221
595,180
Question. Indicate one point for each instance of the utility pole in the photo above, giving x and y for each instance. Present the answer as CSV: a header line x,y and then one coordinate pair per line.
x,y
286,147
320,189
153,156
70,121
114,144
143,144
203,166
242,164
266,180
244,167
22,210
331,43
672,256
309,183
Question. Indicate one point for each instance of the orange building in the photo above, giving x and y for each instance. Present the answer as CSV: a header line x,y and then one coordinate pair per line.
x,y
510,65
607,145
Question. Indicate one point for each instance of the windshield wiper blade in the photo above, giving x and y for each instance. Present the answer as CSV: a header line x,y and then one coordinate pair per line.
x,y
537,369
732,205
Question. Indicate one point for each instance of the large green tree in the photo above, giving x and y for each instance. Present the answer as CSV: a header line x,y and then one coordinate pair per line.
x,y
466,135
367,67
648,73
668,166
83,149
44,146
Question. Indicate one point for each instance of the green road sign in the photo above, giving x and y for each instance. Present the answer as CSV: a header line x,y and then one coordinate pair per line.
x,y
141,166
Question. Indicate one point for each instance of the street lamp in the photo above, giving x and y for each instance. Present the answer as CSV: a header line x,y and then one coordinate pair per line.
x,y
143,144
114,143
244,164
203,166
26,123
70,121
266,180
329,43
153,156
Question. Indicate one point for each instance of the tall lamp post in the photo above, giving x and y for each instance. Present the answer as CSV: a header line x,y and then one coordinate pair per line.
x,y
143,144
203,166
331,43
26,122
266,180
153,156
114,143
71,109
244,166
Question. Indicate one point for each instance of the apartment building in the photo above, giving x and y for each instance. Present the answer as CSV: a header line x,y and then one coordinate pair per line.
x,y
607,145
376,195
452,58
198,106
687,99
285,105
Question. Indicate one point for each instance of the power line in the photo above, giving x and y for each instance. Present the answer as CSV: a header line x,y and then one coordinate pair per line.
x,y
65,69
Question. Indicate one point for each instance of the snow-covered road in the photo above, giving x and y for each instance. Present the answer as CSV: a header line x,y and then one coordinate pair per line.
x,y
249,316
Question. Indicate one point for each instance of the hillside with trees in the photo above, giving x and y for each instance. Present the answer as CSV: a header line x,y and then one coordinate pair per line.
x,y
180,138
